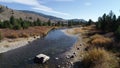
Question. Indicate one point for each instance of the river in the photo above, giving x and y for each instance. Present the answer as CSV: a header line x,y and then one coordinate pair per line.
x,y
53,45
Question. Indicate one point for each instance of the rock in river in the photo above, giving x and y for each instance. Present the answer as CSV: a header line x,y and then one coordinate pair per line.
x,y
41,58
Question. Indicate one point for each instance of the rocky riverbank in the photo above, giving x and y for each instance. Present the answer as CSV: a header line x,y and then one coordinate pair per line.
x,y
75,53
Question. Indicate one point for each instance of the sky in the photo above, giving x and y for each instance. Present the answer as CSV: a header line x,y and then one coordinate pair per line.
x,y
67,9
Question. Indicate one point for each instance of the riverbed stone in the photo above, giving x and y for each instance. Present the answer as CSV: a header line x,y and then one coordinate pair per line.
x,y
58,66
78,48
41,58
72,56
56,58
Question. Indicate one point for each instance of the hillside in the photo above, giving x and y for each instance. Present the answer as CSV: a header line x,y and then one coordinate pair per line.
x,y
43,15
6,13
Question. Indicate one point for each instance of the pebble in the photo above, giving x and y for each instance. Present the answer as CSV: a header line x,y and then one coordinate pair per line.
x,y
78,48
72,56
80,44
71,63
58,66
67,57
56,58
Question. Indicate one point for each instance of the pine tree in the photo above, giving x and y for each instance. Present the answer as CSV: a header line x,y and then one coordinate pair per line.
x,y
89,22
39,22
12,20
49,23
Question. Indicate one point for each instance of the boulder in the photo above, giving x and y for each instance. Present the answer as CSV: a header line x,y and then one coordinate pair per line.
x,y
41,58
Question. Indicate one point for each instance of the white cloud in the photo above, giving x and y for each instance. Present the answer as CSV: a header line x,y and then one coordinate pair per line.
x,y
34,4
88,4
63,0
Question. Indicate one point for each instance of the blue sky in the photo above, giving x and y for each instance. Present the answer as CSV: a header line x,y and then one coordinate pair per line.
x,y
67,9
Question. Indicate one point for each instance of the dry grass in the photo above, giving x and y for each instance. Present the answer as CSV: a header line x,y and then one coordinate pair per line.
x,y
75,31
24,35
31,31
13,35
100,40
92,27
99,58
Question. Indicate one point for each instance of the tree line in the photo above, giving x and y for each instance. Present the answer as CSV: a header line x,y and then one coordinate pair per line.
x,y
17,24
109,23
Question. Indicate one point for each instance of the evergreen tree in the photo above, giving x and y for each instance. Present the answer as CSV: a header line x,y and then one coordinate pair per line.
x,y
12,20
6,24
58,23
39,22
107,21
70,23
89,22
49,23
24,24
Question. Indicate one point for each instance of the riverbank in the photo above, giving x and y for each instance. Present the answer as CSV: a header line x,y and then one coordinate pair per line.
x,y
11,42
92,45
75,53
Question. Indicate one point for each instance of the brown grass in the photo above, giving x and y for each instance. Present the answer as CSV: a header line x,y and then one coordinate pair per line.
x,y
99,58
24,35
31,31
100,40
13,35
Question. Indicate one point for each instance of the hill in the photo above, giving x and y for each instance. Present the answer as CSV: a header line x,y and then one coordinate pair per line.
x,y
6,13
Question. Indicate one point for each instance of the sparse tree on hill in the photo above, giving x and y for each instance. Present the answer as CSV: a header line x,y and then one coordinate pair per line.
x,y
12,20
49,23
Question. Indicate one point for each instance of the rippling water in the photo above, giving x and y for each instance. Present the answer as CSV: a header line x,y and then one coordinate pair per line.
x,y
54,44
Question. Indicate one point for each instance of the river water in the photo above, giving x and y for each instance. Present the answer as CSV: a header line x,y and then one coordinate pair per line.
x,y
53,45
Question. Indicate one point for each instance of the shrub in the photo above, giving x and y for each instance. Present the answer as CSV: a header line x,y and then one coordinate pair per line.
x,y
99,58
100,40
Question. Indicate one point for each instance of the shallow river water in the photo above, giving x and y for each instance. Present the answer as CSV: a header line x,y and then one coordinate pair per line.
x,y
53,45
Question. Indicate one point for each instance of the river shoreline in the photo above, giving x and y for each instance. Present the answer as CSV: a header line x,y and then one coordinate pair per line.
x,y
75,50
9,44
75,53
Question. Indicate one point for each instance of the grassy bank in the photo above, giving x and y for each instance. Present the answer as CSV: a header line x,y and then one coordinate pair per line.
x,y
101,50
12,39
25,33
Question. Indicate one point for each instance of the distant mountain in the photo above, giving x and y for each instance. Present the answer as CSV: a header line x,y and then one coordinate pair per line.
x,y
78,20
44,15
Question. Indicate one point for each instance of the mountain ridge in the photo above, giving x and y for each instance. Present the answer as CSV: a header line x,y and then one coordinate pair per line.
x,y
6,13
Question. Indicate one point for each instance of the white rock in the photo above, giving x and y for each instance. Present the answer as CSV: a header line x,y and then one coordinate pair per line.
x,y
56,58
41,58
